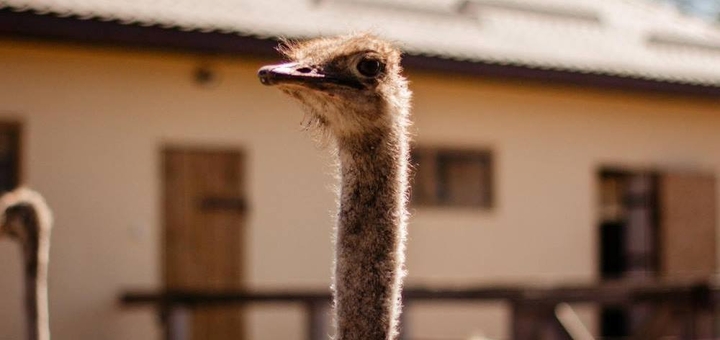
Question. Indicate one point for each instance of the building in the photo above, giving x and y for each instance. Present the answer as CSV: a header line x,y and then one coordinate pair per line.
x,y
554,110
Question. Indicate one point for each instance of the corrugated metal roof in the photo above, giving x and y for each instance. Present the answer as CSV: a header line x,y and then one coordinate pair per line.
x,y
626,38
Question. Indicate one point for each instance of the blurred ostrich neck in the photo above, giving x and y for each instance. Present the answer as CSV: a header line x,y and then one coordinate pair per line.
x,y
369,234
34,254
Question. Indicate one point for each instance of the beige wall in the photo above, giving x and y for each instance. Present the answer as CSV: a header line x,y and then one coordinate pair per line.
x,y
96,121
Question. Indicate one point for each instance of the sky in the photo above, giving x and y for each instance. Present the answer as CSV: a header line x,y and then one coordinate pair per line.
x,y
709,9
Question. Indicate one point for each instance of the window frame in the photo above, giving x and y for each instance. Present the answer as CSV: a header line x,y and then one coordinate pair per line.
x,y
430,187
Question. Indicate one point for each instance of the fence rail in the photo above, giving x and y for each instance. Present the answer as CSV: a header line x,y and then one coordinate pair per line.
x,y
685,307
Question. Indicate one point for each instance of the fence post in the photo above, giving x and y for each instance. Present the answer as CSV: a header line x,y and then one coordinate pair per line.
x,y
702,309
316,320
525,321
176,322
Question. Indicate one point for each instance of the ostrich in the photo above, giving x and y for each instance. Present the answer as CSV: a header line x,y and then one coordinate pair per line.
x,y
25,217
351,90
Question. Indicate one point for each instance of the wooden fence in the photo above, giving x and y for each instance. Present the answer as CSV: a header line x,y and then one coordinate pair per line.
x,y
681,309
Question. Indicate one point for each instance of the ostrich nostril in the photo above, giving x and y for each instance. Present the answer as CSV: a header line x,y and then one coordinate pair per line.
x,y
265,76
304,70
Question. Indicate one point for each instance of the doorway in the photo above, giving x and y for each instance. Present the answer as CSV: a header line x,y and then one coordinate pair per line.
x,y
204,229
653,225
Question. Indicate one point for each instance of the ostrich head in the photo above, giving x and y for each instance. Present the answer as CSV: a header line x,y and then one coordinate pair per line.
x,y
24,217
14,223
348,85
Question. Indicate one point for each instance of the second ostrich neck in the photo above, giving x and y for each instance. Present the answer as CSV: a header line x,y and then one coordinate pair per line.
x,y
23,223
369,235
35,296
34,249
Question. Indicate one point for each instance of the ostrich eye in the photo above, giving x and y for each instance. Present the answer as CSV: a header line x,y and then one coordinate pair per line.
x,y
369,67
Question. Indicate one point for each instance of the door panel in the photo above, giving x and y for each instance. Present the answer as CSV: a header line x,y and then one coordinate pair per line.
x,y
204,224
687,225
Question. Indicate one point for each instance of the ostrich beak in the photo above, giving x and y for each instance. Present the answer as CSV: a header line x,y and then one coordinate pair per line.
x,y
297,73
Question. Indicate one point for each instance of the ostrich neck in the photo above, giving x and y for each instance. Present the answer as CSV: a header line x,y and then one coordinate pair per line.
x,y
36,299
370,235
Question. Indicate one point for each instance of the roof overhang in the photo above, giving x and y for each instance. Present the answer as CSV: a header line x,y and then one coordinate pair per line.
x,y
28,25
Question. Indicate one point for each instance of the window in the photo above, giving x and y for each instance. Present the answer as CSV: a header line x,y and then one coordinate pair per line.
x,y
628,226
9,156
452,177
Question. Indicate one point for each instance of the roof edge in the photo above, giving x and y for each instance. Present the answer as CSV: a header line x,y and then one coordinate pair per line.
x,y
533,75
29,25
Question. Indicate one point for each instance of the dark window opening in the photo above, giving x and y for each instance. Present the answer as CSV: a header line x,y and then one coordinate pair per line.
x,y
612,241
9,156
628,224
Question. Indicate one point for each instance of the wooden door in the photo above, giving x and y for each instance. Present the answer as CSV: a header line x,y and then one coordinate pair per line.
x,y
203,235
687,225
